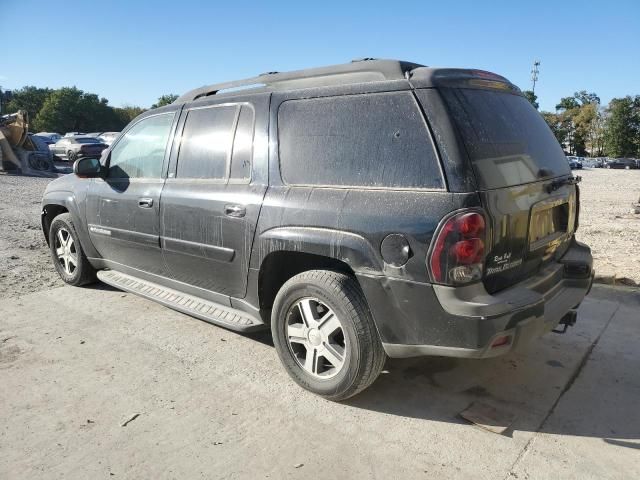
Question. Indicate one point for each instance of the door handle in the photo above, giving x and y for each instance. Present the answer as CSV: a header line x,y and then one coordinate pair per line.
x,y
237,211
145,202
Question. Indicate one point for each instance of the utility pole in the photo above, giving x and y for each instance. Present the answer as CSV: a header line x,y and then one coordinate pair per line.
x,y
534,74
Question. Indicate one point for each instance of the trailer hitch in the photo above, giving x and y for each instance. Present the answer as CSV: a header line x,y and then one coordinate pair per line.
x,y
567,321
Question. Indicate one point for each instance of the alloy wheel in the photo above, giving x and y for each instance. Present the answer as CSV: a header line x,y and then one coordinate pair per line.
x,y
66,251
316,338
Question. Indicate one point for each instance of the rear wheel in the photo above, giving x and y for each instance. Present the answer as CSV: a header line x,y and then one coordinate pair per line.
x,y
72,156
325,336
67,254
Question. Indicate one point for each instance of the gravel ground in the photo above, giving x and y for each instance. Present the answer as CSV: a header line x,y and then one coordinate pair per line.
x,y
25,264
607,224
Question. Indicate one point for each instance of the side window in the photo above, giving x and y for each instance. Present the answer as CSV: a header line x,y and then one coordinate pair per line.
x,y
140,153
206,143
243,145
374,140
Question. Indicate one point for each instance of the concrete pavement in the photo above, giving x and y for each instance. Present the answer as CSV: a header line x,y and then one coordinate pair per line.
x,y
76,364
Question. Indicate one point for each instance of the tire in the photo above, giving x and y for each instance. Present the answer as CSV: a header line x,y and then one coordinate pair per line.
x,y
321,293
72,156
65,254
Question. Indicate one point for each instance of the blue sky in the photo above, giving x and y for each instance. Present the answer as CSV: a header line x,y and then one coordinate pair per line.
x,y
132,51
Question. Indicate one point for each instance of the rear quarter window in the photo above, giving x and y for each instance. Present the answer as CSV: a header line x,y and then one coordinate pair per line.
x,y
373,140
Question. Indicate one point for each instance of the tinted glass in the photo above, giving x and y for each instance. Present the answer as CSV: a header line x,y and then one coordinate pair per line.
x,y
140,153
507,140
243,145
373,140
87,140
206,143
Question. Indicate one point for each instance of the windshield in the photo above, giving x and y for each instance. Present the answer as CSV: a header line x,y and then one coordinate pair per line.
x,y
507,140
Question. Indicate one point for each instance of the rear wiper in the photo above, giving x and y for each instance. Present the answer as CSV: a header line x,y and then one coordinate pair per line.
x,y
556,184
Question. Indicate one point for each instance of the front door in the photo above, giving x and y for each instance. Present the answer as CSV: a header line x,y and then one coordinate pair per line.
x,y
211,200
123,208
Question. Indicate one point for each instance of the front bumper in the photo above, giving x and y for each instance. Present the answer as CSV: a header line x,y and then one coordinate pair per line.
x,y
416,319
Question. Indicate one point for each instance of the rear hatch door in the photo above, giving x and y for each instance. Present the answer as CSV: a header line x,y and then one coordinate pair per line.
x,y
522,177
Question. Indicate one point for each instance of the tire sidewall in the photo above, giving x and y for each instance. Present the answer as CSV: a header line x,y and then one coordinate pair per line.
x,y
58,223
348,375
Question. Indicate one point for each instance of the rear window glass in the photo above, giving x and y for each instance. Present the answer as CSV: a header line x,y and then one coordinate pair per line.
x,y
87,140
507,140
206,143
374,140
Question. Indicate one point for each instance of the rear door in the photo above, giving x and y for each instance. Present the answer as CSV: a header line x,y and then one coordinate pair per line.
x,y
519,169
212,198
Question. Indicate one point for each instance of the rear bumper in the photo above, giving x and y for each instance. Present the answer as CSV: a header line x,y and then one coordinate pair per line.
x,y
423,319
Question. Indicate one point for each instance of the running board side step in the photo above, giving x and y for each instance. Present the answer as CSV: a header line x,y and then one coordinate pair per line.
x,y
191,305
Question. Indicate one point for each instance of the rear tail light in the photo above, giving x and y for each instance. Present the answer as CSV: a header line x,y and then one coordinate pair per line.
x,y
458,250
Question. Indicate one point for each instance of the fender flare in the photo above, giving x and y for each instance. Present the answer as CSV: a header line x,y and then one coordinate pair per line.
x,y
67,200
347,247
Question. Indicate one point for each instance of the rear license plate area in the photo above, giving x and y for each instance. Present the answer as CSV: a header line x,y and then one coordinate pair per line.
x,y
548,223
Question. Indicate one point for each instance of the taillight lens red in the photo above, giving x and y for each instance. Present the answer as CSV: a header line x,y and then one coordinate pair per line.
x,y
468,251
457,255
471,224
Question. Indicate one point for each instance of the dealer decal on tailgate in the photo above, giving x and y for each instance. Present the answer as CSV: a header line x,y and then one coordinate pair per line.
x,y
503,263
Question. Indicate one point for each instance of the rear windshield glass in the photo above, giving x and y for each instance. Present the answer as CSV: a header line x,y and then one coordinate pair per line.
x,y
507,140
374,140
87,140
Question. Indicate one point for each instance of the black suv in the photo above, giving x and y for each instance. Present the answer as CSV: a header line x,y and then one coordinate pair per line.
x,y
378,208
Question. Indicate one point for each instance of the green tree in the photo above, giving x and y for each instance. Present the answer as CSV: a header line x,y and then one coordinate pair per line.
x,y
622,130
532,97
576,114
71,109
557,125
27,98
127,113
165,100
585,98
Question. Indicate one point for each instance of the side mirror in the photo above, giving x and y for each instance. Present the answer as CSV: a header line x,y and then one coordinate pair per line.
x,y
88,167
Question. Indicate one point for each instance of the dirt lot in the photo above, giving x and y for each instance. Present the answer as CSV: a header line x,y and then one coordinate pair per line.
x,y
607,225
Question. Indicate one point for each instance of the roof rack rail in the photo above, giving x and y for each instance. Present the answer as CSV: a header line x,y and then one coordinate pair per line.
x,y
363,70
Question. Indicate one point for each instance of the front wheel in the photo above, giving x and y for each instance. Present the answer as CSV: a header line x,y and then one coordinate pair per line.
x,y
325,336
72,156
67,254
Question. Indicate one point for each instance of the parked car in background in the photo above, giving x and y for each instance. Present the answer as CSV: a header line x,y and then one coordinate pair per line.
x,y
109,137
382,224
73,134
72,148
626,163
574,163
49,137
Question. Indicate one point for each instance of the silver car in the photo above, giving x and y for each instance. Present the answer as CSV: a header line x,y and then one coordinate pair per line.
x,y
72,148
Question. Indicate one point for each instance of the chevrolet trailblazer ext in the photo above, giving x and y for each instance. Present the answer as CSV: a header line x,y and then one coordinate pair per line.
x,y
361,210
